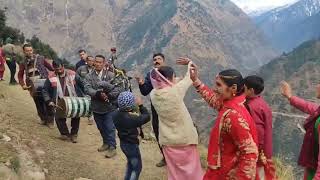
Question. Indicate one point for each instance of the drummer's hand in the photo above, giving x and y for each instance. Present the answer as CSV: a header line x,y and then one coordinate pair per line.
x,y
51,104
25,87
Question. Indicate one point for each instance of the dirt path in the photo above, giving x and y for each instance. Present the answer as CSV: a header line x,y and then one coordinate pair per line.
x,y
64,160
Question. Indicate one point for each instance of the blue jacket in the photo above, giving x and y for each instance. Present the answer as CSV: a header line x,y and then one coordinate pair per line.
x,y
80,63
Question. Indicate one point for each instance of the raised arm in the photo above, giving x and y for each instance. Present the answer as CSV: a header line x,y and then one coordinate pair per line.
x,y
301,104
207,94
145,86
185,83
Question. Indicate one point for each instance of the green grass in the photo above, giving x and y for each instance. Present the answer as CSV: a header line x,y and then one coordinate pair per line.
x,y
283,170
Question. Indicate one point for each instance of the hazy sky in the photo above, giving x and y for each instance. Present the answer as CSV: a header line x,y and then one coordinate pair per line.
x,y
252,5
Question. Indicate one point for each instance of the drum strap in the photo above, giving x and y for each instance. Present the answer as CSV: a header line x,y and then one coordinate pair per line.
x,y
70,86
60,90
34,67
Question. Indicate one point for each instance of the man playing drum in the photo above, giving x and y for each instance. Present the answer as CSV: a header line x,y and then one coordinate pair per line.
x,y
35,69
103,101
59,84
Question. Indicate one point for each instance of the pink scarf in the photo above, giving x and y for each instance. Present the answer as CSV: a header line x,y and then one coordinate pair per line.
x,y
158,81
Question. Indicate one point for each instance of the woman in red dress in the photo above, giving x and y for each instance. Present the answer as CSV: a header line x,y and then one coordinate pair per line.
x,y
232,150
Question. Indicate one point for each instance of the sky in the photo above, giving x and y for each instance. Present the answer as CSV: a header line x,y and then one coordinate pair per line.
x,y
250,6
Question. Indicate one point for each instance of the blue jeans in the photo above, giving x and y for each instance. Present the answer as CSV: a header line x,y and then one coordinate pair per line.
x,y
134,164
106,127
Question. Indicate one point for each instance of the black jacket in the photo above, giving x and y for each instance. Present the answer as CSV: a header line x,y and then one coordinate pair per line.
x,y
145,90
127,124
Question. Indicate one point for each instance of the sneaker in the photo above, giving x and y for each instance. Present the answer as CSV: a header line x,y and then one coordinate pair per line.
x,y
64,137
111,152
74,138
104,147
161,163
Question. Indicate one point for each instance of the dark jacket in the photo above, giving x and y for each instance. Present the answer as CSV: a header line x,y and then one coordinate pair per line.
x,y
49,90
80,63
81,73
145,90
127,124
93,86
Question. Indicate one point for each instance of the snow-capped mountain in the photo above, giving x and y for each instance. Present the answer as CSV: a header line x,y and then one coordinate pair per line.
x,y
288,26
258,7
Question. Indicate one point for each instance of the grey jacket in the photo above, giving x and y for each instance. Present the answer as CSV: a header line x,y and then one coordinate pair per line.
x,y
92,85
80,76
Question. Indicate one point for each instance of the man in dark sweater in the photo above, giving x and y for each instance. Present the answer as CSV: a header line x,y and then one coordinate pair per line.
x,y
146,87
127,123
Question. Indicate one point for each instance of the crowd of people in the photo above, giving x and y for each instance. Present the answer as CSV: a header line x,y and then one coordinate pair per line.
x,y
240,143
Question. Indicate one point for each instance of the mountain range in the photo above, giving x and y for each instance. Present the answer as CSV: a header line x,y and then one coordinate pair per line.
x,y
288,26
209,31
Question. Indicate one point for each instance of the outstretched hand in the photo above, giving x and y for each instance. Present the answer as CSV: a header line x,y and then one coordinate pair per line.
x,y
194,73
139,78
183,61
285,89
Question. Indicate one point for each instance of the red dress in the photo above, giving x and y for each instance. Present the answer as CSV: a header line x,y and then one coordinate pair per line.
x,y
232,150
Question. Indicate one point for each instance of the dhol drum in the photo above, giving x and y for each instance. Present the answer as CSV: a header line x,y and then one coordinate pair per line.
x,y
73,107
36,86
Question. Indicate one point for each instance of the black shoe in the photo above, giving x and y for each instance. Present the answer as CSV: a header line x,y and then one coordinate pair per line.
x,y
104,147
74,138
111,152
